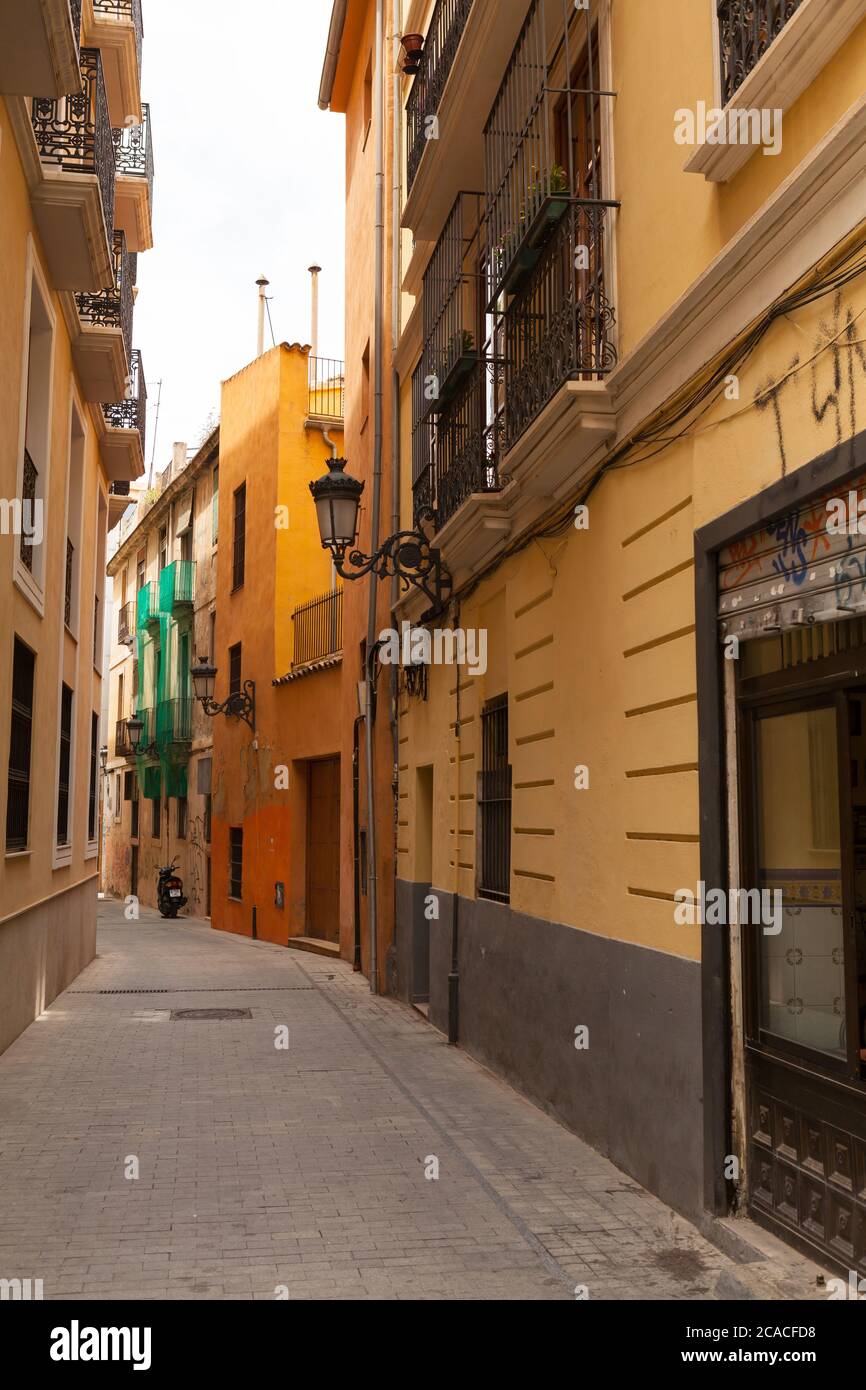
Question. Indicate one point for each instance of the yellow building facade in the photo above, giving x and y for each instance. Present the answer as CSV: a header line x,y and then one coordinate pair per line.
x,y
75,196
631,373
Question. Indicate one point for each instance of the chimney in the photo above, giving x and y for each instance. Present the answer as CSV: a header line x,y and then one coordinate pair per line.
x,y
315,272
179,454
263,285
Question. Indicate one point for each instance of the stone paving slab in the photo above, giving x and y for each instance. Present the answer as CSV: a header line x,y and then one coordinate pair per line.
x,y
302,1169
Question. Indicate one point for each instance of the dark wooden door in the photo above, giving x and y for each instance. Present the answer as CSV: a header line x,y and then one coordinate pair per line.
x,y
133,872
323,850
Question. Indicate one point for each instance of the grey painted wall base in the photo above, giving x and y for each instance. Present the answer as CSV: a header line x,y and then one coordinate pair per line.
x,y
41,952
526,984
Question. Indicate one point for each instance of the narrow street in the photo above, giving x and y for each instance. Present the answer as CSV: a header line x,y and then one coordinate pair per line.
x,y
303,1168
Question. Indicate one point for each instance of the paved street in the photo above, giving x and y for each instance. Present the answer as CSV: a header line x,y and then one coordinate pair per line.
x,y
303,1168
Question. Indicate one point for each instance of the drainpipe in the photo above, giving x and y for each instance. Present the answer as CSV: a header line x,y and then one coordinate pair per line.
x,y
356,834
379,123
396,203
454,972
315,271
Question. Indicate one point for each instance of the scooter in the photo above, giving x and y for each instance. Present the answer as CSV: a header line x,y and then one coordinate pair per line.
x,y
169,891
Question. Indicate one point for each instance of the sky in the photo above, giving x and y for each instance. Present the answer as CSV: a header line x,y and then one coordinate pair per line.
x,y
249,181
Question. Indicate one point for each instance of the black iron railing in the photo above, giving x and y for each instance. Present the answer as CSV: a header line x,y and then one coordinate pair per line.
x,y
133,150
457,452
75,6
318,628
122,745
559,326
67,600
74,132
174,721
126,623
495,802
440,48
131,414
452,303
112,308
124,9
326,393
746,30
28,509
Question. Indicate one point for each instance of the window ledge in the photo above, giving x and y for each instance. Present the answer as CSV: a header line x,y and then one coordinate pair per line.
x,y
92,849
62,857
791,63
18,853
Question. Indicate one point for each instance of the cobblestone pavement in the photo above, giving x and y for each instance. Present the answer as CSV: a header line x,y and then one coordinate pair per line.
x,y
305,1168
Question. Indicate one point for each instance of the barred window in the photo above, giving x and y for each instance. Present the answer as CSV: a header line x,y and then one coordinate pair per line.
x,y
495,802
236,862
65,765
20,737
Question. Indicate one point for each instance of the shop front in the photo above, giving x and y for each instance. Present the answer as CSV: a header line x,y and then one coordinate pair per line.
x,y
781,588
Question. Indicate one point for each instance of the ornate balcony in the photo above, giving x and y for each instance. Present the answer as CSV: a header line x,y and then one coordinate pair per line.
x,y
126,625
133,152
452,304
559,326
116,28
74,200
174,721
456,453
39,47
177,586
122,745
147,606
746,30
318,629
124,437
440,48
103,349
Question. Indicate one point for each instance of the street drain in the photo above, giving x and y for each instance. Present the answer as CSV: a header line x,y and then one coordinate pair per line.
x,y
200,989
208,1015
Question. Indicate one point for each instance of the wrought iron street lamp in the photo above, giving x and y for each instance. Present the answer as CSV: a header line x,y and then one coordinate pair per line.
x,y
408,555
134,732
103,756
241,704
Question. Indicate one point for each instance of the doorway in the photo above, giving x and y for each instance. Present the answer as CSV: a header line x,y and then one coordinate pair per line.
x,y
133,871
323,850
803,833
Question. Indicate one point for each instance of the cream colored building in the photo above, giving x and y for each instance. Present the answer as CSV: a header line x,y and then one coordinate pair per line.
x,y
75,199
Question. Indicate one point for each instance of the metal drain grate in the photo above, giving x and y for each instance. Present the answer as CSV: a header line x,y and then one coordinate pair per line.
x,y
200,989
208,1015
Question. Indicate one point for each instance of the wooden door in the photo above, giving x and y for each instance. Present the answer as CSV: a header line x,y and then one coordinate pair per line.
x,y
323,850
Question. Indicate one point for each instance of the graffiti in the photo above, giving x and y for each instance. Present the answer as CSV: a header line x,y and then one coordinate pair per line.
x,y
744,559
767,396
851,579
197,863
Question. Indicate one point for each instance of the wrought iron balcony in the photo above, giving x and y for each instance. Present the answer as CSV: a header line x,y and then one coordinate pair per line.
x,y
75,6
131,414
318,629
452,304
746,30
122,746
124,9
457,452
177,586
112,308
543,138
74,132
147,605
133,150
559,325
440,48
126,622
174,721
326,392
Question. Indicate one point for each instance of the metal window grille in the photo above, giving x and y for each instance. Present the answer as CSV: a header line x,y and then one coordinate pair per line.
x,y
65,765
326,396
91,797
495,802
746,30
20,738
28,504
239,543
236,862
440,48
318,628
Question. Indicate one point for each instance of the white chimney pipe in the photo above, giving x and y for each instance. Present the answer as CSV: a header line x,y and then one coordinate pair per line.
x,y
315,271
263,285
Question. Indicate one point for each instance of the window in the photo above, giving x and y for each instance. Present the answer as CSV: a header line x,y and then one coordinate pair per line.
x,y
495,802
140,570
128,783
74,511
212,647
98,605
118,797
120,696
20,734
236,862
155,822
368,102
94,757
182,817
208,817
240,537
162,548
37,447
63,773
365,385
133,824
215,505
235,669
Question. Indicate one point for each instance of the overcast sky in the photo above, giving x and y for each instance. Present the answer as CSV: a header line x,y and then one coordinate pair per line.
x,y
249,180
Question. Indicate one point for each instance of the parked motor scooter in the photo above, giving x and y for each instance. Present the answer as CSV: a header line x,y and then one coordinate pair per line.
x,y
169,891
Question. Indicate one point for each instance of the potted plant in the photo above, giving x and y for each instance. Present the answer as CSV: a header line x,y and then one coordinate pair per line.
x,y
413,47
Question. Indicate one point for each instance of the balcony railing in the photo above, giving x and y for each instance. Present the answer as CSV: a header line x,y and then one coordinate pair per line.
x,y
147,604
126,623
440,48
148,733
174,721
122,745
131,414
318,629
326,391
74,132
559,326
75,6
112,308
177,585
453,318
458,451
124,9
746,30
133,150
